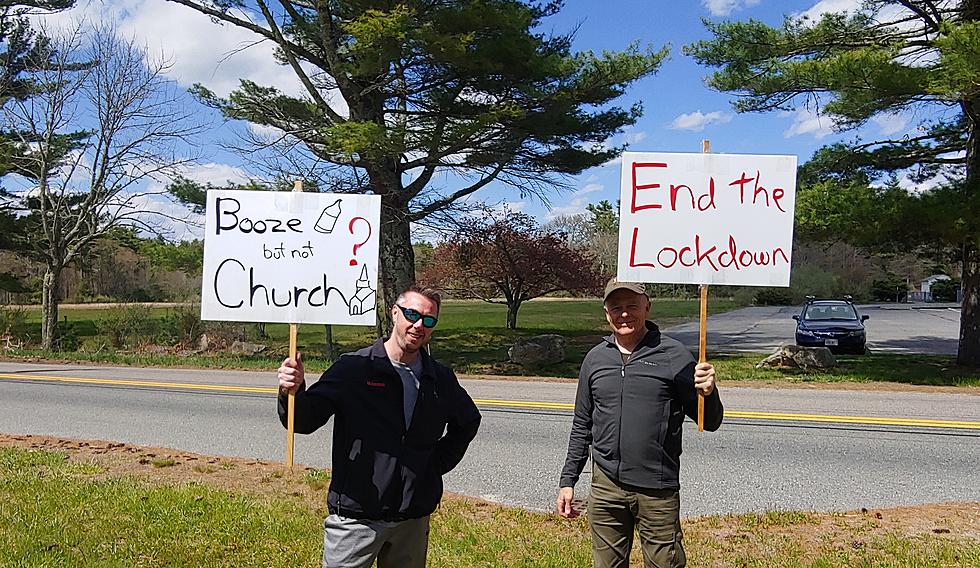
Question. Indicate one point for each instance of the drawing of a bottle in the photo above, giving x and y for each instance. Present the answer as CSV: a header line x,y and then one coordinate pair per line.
x,y
328,219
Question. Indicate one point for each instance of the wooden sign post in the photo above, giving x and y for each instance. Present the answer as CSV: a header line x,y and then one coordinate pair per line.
x,y
291,257
706,219
703,329
291,403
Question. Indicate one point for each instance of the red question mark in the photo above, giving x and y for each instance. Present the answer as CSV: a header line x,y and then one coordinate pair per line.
x,y
350,227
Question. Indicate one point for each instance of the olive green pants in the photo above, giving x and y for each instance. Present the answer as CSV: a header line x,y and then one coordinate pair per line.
x,y
615,510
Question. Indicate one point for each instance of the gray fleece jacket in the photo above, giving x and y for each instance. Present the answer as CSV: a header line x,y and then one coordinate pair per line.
x,y
631,414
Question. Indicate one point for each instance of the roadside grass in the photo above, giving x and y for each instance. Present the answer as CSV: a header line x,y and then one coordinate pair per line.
x,y
471,337
932,370
58,512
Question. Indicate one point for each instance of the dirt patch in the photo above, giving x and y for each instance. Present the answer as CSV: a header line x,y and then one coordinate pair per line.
x,y
155,465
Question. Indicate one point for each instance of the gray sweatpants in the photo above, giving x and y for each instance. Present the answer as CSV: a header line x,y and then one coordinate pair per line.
x,y
357,543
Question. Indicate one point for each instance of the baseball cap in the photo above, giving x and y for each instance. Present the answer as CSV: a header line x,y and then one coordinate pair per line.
x,y
614,285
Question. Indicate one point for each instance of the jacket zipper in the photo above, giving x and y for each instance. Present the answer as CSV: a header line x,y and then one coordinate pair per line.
x,y
619,441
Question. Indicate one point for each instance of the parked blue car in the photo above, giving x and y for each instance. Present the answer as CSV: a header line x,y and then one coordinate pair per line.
x,y
834,324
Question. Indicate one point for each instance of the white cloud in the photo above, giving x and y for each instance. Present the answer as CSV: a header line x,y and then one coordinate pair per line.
x,y
697,121
807,121
726,7
891,123
577,204
633,136
198,50
174,219
589,188
215,174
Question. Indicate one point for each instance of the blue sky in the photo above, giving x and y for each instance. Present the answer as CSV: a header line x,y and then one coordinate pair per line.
x,y
679,111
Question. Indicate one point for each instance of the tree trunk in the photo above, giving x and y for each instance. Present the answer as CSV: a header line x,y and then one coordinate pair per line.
x,y
512,308
397,260
968,352
328,339
49,307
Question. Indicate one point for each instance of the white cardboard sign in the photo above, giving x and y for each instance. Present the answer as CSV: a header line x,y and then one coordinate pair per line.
x,y
291,257
706,218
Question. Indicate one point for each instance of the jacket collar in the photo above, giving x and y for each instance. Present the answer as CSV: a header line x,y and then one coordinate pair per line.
x,y
651,339
379,358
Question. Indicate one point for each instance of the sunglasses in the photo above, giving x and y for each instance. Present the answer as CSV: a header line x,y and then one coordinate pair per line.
x,y
414,316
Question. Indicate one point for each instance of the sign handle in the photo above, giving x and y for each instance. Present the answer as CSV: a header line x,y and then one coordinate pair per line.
x,y
291,406
703,340
702,350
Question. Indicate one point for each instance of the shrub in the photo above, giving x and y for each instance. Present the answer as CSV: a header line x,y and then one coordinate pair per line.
x,y
774,297
127,325
13,320
889,288
945,290
182,324
67,337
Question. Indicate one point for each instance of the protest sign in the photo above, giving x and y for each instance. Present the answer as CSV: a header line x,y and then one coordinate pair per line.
x,y
291,257
706,218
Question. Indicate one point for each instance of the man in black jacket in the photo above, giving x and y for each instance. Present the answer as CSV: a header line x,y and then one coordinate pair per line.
x,y
402,421
633,392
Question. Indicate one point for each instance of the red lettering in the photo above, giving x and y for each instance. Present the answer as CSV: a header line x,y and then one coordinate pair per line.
x,y
777,194
710,195
633,262
762,259
741,258
734,252
741,186
672,262
687,249
704,256
673,195
633,206
781,253
759,189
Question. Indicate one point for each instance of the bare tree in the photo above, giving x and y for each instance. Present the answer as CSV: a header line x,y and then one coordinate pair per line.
x,y
136,130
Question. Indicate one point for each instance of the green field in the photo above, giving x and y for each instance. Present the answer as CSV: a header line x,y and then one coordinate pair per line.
x,y
121,509
471,336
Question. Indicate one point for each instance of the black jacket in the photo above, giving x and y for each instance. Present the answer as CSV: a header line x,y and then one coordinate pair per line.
x,y
632,414
380,469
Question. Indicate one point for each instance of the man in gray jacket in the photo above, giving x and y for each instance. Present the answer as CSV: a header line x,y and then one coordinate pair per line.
x,y
633,392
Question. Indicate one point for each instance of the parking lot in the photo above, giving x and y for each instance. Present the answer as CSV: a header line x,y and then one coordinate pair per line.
x,y
892,328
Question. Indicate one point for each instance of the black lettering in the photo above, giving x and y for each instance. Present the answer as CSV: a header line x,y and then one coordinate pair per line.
x,y
253,287
219,213
217,272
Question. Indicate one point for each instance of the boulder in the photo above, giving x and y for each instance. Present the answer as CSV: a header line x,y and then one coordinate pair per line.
x,y
246,348
795,356
538,351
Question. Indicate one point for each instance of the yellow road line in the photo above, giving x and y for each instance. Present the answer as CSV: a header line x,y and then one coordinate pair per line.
x,y
130,383
537,405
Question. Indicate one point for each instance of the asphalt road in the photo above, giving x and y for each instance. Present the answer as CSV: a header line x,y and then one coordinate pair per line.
x,y
751,464
892,328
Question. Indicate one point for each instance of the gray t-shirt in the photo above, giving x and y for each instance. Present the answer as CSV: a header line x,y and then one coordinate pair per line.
x,y
410,385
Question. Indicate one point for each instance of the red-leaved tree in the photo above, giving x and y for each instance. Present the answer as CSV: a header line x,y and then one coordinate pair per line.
x,y
510,261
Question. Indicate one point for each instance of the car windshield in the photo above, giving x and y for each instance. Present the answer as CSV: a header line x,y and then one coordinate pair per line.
x,y
830,312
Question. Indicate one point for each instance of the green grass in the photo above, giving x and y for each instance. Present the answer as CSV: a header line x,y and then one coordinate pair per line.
x,y
57,513
471,336
934,370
